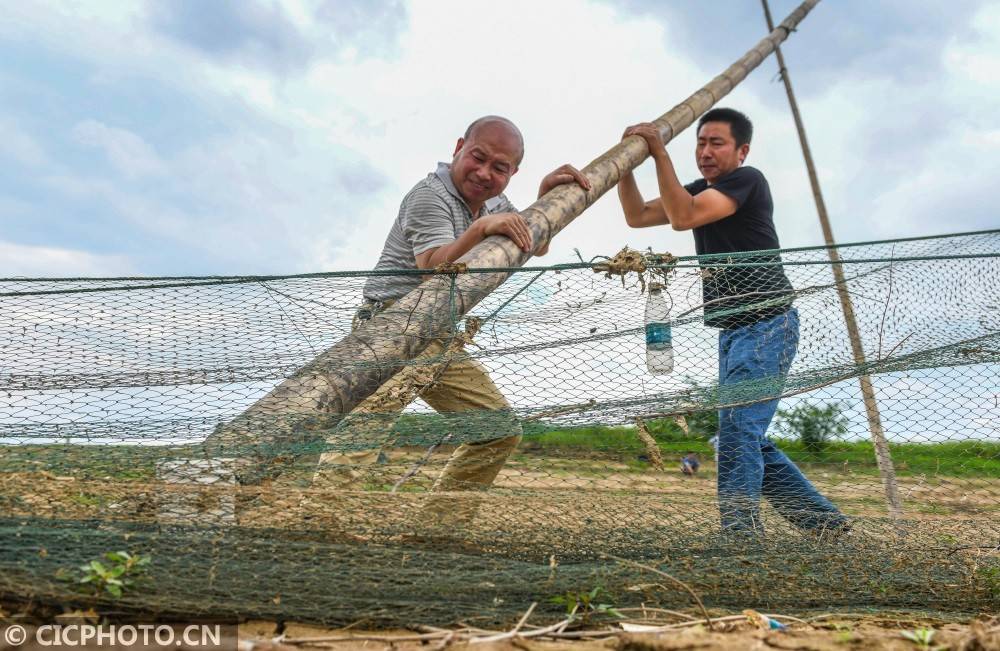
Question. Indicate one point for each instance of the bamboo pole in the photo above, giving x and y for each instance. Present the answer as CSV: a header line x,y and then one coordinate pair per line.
x,y
317,396
883,458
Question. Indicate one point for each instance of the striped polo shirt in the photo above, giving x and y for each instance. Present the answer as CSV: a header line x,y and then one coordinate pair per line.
x,y
431,215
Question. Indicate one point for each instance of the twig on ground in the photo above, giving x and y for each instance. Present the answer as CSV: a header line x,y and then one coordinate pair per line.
x,y
686,587
445,642
569,620
698,622
816,618
648,621
548,631
647,609
512,633
475,629
261,645
539,632
353,624
557,631
595,634
427,628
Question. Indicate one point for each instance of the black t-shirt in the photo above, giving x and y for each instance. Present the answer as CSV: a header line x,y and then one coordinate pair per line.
x,y
750,228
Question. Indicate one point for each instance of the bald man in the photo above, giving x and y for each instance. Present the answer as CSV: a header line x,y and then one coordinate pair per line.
x,y
446,214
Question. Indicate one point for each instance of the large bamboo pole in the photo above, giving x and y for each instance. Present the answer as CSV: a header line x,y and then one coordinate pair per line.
x,y
883,458
319,394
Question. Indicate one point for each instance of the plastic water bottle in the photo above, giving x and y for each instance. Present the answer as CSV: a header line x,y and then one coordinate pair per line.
x,y
659,349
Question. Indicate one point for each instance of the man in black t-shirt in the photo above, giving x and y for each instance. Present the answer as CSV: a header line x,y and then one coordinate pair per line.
x,y
737,295
731,212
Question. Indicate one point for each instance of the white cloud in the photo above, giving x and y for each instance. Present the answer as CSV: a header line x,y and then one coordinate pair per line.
x,y
127,152
269,196
406,113
43,261
18,146
977,60
403,113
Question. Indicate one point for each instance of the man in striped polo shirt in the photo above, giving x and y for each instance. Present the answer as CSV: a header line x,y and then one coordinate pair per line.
x,y
446,214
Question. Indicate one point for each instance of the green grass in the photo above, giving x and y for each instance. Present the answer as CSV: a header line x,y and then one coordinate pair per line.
x,y
610,439
86,499
951,459
548,449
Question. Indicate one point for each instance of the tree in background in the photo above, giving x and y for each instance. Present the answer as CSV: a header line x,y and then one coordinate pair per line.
x,y
814,425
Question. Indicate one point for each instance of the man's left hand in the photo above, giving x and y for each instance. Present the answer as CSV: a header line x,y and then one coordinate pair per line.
x,y
651,134
561,176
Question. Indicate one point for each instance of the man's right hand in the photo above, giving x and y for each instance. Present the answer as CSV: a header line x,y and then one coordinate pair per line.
x,y
510,224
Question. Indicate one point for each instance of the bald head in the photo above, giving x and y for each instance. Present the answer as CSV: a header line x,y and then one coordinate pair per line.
x,y
497,123
485,158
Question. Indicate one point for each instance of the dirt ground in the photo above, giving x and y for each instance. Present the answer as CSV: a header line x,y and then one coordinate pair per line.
x,y
559,492
831,633
925,498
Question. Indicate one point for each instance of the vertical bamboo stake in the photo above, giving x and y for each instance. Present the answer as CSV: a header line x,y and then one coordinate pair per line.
x,y
882,456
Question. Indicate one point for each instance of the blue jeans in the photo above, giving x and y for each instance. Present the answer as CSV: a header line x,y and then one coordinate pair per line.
x,y
753,363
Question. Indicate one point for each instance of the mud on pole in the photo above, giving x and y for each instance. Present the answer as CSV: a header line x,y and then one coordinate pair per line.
x,y
883,458
319,394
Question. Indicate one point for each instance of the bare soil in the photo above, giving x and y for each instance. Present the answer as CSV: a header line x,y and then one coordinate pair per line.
x,y
835,633
574,496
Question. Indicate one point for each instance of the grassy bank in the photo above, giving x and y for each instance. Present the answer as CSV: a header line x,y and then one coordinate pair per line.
x,y
953,459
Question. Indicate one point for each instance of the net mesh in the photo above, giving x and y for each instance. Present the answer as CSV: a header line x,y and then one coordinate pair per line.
x,y
131,420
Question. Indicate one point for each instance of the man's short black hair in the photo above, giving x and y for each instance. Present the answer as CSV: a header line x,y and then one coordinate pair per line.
x,y
739,124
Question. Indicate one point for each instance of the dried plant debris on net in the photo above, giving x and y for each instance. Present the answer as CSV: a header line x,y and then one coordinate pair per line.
x,y
514,462
628,261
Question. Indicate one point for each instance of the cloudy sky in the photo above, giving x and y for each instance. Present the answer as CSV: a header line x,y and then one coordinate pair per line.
x,y
229,137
